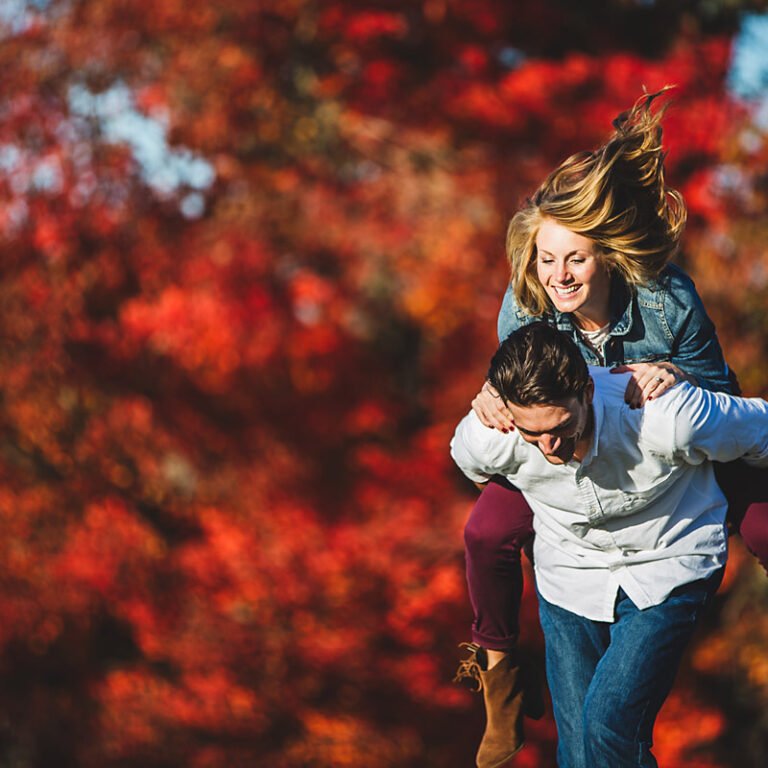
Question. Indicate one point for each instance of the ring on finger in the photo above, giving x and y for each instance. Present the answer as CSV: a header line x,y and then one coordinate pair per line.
x,y
658,379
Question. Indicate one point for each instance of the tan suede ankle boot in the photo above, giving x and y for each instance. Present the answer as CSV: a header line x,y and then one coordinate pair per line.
x,y
506,703
504,732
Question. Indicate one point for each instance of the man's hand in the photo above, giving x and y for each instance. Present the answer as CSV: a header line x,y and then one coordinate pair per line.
x,y
649,381
491,410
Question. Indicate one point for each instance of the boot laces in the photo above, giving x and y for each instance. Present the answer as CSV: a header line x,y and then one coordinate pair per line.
x,y
469,670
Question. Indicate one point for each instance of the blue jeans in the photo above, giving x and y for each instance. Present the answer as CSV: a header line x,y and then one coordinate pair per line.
x,y
609,680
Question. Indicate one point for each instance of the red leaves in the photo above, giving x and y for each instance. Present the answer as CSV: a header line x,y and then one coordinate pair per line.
x,y
196,330
363,27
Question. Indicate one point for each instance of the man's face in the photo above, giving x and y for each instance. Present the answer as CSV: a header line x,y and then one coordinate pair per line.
x,y
556,429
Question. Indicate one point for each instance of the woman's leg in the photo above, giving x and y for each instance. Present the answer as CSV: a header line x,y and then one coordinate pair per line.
x,y
498,527
746,489
754,531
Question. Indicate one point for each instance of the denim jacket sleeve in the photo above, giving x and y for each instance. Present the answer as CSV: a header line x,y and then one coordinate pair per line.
x,y
695,348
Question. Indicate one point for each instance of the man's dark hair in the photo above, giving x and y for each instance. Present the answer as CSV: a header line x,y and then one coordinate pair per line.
x,y
537,364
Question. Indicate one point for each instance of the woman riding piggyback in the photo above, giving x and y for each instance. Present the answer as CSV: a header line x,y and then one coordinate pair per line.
x,y
590,253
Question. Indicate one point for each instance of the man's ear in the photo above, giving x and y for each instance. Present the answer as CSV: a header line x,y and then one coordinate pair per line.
x,y
589,392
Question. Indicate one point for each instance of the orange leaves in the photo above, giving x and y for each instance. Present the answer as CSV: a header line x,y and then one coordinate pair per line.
x,y
152,99
196,330
686,731
140,708
312,298
347,741
104,552
416,603
742,637
222,563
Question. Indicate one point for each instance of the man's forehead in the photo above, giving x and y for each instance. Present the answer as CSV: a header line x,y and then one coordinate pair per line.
x,y
544,417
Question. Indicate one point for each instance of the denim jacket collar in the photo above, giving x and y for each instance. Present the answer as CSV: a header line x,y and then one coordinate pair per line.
x,y
623,306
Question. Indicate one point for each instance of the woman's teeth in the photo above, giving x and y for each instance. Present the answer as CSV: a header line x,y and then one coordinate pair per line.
x,y
566,291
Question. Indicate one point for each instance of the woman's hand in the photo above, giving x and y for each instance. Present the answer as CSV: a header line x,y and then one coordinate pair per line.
x,y
649,381
490,409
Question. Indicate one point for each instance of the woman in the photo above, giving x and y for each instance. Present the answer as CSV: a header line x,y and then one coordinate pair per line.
x,y
590,253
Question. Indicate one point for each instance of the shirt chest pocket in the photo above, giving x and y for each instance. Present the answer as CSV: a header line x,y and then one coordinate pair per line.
x,y
630,496
635,500
638,498
619,503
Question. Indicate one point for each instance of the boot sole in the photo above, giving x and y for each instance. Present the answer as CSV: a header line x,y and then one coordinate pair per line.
x,y
505,760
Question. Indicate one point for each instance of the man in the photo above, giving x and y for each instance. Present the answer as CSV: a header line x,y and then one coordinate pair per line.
x,y
630,538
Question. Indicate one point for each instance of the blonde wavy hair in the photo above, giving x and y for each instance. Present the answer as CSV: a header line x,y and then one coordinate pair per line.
x,y
615,196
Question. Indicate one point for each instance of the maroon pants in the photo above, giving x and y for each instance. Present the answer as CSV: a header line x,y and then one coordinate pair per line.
x,y
501,522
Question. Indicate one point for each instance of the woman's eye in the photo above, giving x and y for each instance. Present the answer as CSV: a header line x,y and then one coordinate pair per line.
x,y
577,261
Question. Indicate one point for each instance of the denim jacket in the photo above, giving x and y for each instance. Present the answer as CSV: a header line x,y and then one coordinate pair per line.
x,y
664,320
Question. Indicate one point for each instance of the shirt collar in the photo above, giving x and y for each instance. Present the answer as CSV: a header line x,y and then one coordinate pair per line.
x,y
598,412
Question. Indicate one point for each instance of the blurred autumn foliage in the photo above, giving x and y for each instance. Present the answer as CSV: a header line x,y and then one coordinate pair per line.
x,y
251,255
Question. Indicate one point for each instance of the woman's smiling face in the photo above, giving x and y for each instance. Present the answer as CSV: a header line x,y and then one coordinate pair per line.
x,y
573,275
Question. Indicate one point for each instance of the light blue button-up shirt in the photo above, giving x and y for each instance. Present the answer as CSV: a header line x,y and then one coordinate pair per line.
x,y
642,511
